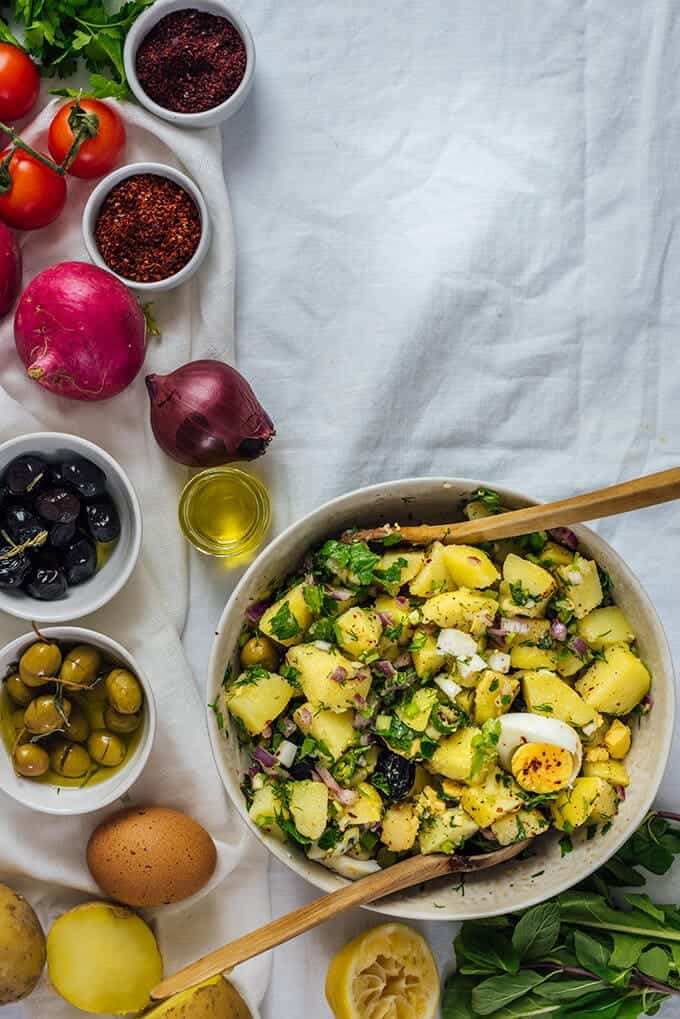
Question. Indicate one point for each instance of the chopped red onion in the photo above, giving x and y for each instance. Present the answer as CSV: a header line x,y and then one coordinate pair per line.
x,y
578,646
403,661
497,635
305,716
620,792
564,536
288,726
385,667
473,559
487,834
514,625
345,796
338,593
255,611
558,630
385,618
266,732
647,703
264,758
339,675
254,770
359,701
363,673
401,601
365,739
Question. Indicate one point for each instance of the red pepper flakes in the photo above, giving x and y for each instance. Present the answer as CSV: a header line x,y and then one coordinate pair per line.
x,y
148,228
191,61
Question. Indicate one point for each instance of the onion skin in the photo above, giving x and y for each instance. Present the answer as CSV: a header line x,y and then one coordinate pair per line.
x,y
10,269
80,332
205,414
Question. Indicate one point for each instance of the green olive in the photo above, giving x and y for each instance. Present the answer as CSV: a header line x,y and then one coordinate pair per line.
x,y
260,651
117,722
70,760
18,691
17,720
124,692
106,748
30,760
81,665
97,694
78,728
39,663
42,716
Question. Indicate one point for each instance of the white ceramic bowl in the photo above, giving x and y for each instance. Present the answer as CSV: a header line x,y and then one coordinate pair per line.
x,y
108,581
516,885
50,799
142,27
94,204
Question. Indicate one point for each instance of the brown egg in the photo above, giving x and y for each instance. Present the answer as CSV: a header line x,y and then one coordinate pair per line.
x,y
150,856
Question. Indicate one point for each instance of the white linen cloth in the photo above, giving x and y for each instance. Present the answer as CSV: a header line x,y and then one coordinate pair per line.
x,y
42,856
458,253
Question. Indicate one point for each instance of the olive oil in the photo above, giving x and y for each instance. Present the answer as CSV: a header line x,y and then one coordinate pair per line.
x,y
224,512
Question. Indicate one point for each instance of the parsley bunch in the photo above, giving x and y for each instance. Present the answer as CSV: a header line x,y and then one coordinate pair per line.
x,y
62,33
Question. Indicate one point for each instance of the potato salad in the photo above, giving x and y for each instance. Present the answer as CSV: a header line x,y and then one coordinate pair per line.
x,y
393,701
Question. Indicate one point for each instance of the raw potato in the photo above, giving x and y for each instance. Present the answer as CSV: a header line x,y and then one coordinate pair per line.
x,y
103,958
22,947
214,999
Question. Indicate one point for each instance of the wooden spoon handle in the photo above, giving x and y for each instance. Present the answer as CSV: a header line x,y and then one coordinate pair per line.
x,y
412,871
606,502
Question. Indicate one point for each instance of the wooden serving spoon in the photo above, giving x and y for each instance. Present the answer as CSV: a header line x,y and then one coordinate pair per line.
x,y
414,871
606,502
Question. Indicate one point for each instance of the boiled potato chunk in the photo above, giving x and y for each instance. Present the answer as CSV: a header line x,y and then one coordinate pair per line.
x,y
400,827
547,694
509,606
454,756
22,947
414,563
103,958
463,610
525,824
617,739
581,585
258,698
605,805
334,729
529,656
358,631
542,767
316,667
535,582
415,712
603,627
263,812
309,807
427,661
287,619
616,684
572,807
446,832
367,809
568,664
470,567
214,999
611,771
433,577
398,612
494,695
492,800
555,555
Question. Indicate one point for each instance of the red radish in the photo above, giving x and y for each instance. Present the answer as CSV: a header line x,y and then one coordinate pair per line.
x,y
80,332
10,269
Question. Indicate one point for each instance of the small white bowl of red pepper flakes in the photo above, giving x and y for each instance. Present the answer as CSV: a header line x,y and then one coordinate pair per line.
x,y
148,224
191,63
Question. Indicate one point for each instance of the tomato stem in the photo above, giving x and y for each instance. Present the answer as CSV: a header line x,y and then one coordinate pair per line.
x,y
84,125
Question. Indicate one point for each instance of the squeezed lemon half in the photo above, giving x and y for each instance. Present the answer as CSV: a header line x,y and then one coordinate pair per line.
x,y
387,973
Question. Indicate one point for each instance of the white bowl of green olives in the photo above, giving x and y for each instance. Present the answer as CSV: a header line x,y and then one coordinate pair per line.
x,y
77,720
70,527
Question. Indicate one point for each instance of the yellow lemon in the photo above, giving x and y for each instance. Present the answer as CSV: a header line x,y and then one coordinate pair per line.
x,y
387,973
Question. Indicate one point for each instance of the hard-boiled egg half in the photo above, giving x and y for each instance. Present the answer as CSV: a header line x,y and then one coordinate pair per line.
x,y
543,754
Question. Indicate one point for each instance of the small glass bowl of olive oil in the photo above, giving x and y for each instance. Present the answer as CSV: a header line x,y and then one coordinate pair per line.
x,y
225,512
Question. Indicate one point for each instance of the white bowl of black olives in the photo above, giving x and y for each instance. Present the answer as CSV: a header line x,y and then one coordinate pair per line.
x,y
77,720
70,527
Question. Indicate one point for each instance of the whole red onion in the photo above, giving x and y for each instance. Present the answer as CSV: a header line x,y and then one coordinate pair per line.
x,y
10,269
205,414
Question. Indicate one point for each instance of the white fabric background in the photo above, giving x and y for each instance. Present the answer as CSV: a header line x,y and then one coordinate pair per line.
x,y
458,252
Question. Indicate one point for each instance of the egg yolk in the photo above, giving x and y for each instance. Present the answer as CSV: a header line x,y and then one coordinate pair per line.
x,y
542,767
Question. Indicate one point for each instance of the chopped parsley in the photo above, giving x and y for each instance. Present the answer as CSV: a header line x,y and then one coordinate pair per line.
x,y
488,497
314,598
322,629
391,539
290,674
356,557
330,838
219,717
606,582
418,642
566,845
543,709
493,686
283,624
391,577
484,746
252,676
394,632
228,672
399,736
519,594
380,782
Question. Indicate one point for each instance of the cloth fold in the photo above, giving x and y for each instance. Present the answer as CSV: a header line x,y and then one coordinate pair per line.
x,y
43,857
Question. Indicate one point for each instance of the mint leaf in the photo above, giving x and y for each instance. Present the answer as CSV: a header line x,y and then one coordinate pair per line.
x,y
498,992
537,931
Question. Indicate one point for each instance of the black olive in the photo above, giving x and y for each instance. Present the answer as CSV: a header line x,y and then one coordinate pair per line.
x,y
5,495
58,506
24,473
61,535
399,774
13,568
20,523
103,520
87,479
79,561
46,581
302,769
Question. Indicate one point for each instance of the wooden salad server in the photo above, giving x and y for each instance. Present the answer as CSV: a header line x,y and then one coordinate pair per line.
x,y
605,502
413,871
